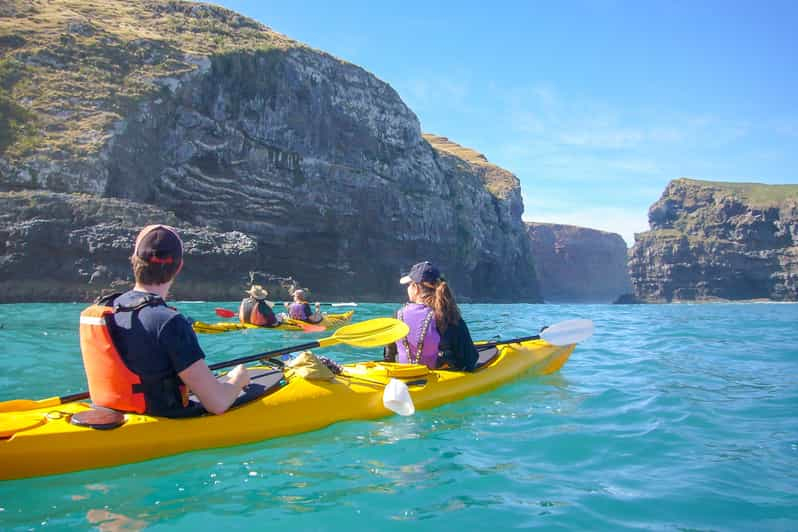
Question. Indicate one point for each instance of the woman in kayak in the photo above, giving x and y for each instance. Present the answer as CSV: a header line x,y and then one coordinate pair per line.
x,y
256,310
141,355
438,338
300,309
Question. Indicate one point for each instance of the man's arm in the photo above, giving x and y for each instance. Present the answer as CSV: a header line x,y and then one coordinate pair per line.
x,y
215,395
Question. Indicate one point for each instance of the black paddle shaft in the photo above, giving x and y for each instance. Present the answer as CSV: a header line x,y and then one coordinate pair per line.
x,y
267,354
286,350
219,365
483,347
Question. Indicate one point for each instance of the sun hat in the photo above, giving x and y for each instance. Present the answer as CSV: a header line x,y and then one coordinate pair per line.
x,y
300,293
159,244
424,272
257,291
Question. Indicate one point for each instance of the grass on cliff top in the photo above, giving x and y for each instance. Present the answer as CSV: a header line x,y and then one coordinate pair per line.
x,y
70,68
569,229
754,193
498,181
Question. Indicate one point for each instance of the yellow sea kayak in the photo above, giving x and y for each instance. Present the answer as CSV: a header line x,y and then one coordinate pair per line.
x,y
330,321
44,442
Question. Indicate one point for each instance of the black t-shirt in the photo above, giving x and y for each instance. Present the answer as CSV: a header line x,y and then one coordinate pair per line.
x,y
155,340
457,348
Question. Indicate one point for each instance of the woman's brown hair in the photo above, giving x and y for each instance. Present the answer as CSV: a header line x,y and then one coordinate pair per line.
x,y
439,297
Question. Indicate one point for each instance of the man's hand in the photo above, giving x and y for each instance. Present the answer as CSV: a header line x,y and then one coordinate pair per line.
x,y
215,395
238,376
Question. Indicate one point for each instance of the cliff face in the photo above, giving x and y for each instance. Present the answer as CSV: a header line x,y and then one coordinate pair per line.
x,y
289,160
711,240
71,247
578,264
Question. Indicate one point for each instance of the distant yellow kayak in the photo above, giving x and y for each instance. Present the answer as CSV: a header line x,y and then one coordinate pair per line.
x,y
330,321
42,441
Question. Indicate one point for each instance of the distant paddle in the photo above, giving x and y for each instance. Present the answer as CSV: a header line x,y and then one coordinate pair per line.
x,y
305,326
224,313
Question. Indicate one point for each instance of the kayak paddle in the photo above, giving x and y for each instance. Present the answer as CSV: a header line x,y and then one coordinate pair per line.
x,y
396,396
370,333
305,326
560,334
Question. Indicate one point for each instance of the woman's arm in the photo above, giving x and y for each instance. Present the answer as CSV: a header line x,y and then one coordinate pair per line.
x,y
389,353
457,348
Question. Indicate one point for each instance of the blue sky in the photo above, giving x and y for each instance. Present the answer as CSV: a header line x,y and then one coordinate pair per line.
x,y
594,105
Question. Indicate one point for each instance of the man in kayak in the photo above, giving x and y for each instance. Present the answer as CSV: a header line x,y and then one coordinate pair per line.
x,y
256,310
438,338
300,309
140,354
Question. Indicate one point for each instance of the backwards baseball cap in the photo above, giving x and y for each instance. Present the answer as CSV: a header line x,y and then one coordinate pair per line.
x,y
159,244
423,272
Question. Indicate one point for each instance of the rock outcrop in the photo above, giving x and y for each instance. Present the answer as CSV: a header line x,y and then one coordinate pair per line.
x,y
280,158
577,264
73,247
718,241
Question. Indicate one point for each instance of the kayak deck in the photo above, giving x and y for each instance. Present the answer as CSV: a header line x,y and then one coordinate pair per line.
x,y
330,321
43,441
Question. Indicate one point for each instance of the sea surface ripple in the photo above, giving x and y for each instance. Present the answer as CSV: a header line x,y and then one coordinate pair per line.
x,y
672,417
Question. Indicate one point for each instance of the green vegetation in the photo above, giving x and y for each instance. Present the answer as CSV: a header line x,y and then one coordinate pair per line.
x,y
71,68
17,125
756,194
498,181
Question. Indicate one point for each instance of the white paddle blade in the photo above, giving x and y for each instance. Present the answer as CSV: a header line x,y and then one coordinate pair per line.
x,y
351,304
396,398
568,332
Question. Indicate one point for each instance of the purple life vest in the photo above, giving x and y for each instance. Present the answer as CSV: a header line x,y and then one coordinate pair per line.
x,y
421,344
298,311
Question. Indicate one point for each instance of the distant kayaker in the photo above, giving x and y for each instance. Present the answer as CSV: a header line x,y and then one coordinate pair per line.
x,y
300,308
141,355
438,338
256,310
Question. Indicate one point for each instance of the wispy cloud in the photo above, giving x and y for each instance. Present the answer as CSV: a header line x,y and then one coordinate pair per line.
x,y
610,163
638,166
603,138
432,91
785,127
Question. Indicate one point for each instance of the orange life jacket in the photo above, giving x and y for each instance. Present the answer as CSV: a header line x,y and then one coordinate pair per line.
x,y
248,312
111,383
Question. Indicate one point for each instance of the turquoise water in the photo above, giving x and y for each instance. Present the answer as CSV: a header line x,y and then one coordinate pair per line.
x,y
670,417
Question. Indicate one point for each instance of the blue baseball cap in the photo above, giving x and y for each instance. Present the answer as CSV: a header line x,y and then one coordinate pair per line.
x,y
423,272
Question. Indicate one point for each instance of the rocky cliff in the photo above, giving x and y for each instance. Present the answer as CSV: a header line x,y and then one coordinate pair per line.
x,y
577,264
712,240
275,157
